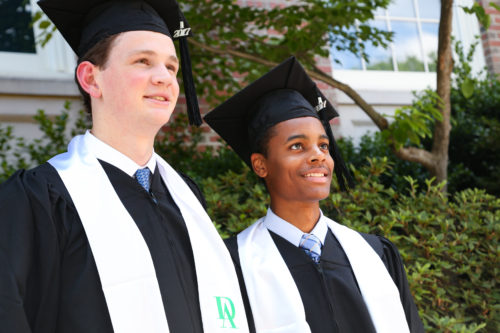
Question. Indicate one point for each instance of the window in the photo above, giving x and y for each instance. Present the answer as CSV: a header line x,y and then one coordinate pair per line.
x,y
415,25
408,64
16,34
20,56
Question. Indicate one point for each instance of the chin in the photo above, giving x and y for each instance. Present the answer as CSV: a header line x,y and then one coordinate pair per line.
x,y
316,196
161,116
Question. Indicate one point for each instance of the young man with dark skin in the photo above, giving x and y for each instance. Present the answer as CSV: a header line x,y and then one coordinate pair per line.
x,y
302,271
107,237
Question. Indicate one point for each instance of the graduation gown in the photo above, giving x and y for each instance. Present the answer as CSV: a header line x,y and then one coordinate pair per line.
x,y
48,277
329,291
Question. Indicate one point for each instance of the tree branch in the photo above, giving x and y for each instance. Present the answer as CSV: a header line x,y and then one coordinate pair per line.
x,y
411,154
417,155
235,53
317,74
376,117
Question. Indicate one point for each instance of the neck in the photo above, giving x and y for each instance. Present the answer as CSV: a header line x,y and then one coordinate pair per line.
x,y
303,215
138,148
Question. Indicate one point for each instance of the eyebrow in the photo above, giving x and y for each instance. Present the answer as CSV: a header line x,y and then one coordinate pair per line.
x,y
150,52
302,136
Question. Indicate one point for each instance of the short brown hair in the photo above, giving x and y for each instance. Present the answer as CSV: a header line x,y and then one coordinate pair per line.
x,y
97,55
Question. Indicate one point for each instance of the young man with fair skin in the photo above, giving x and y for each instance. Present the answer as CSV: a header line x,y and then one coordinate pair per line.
x,y
107,237
302,271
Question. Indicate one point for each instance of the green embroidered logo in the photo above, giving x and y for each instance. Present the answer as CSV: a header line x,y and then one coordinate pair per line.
x,y
226,310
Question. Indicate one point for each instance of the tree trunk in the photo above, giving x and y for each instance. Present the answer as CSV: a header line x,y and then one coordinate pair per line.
x,y
441,139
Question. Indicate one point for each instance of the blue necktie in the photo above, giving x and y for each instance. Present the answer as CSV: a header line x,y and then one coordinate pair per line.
x,y
143,176
311,246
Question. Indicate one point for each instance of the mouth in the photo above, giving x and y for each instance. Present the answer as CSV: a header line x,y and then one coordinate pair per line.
x,y
317,175
158,98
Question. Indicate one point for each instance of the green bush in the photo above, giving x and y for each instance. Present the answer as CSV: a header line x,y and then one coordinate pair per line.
x,y
475,137
450,245
373,145
16,153
179,144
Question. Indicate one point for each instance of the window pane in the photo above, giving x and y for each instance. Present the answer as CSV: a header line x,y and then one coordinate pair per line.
x,y
344,59
347,60
407,47
380,12
15,32
430,39
378,57
429,9
402,8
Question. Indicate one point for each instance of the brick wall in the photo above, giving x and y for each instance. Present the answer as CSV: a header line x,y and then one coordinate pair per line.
x,y
491,37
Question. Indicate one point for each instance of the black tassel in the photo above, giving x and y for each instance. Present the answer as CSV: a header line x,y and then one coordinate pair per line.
x,y
189,90
340,168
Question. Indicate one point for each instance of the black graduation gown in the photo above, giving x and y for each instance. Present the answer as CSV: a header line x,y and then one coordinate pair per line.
x,y
329,291
48,277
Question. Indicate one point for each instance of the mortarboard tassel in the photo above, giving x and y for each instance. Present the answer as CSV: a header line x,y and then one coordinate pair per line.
x,y
189,89
341,170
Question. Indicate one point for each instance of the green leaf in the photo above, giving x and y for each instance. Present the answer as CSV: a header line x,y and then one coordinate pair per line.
x,y
38,15
494,5
467,88
44,24
480,13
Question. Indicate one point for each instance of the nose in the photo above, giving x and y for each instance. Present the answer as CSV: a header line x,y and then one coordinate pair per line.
x,y
162,76
317,155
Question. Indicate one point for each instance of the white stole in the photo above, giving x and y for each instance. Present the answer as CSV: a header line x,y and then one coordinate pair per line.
x,y
275,300
123,260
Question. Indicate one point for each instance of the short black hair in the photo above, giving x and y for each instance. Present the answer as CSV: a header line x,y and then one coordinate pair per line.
x,y
97,55
260,144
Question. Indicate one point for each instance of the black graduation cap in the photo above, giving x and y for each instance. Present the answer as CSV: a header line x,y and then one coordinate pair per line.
x,y
286,92
83,23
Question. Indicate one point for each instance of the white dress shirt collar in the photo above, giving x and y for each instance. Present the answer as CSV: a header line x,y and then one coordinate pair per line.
x,y
290,232
108,154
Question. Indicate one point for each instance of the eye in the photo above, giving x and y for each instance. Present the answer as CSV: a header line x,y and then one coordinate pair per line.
x,y
171,68
143,61
324,146
296,146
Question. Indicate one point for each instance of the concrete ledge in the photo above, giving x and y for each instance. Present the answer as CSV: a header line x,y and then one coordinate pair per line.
x,y
378,97
8,118
38,87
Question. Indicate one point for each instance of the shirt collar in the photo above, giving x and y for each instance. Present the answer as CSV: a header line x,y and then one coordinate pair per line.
x,y
108,154
290,232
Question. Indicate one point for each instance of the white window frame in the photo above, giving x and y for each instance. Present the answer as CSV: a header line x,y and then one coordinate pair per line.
x,y
55,60
417,19
389,90
465,27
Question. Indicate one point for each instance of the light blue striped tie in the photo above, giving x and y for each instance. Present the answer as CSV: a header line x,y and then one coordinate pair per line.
x,y
143,177
311,246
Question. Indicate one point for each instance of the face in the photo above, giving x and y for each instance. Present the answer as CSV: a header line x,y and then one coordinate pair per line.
x,y
138,85
298,166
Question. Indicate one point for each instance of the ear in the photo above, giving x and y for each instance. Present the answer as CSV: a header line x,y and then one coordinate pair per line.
x,y
86,73
259,164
